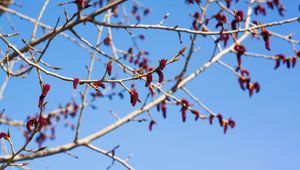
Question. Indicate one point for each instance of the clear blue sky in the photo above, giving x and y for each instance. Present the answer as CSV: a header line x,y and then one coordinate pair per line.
x,y
266,136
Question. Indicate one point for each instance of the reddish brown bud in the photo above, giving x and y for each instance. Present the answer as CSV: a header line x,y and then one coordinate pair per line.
x,y
134,97
231,123
277,63
162,63
164,110
196,113
220,118
148,79
107,41
225,127
46,88
211,118
240,49
239,15
4,135
294,61
266,38
99,83
183,115
160,75
182,50
75,83
256,87
152,122
109,68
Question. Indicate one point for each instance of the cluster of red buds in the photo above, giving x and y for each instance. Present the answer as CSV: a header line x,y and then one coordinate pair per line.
x,y
195,23
259,9
98,2
36,122
223,37
290,62
240,50
223,123
245,82
45,90
189,2
221,19
134,12
163,107
149,77
276,3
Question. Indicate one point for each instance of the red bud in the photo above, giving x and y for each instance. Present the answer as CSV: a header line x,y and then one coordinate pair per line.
x,y
162,64
134,97
109,68
160,75
148,79
75,83
151,125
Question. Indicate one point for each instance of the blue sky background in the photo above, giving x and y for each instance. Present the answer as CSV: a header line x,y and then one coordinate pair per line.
x,y
267,132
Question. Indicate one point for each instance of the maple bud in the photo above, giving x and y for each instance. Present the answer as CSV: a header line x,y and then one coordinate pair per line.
x,y
152,122
240,49
99,83
46,88
5,136
107,41
265,34
164,110
211,118
239,15
196,113
109,68
148,79
134,97
162,63
231,123
160,75
225,127
220,118
183,114
75,82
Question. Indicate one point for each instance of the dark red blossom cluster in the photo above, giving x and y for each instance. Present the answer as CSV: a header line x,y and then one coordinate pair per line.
x,y
289,62
240,50
136,15
223,37
189,2
245,82
259,9
221,19
223,123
